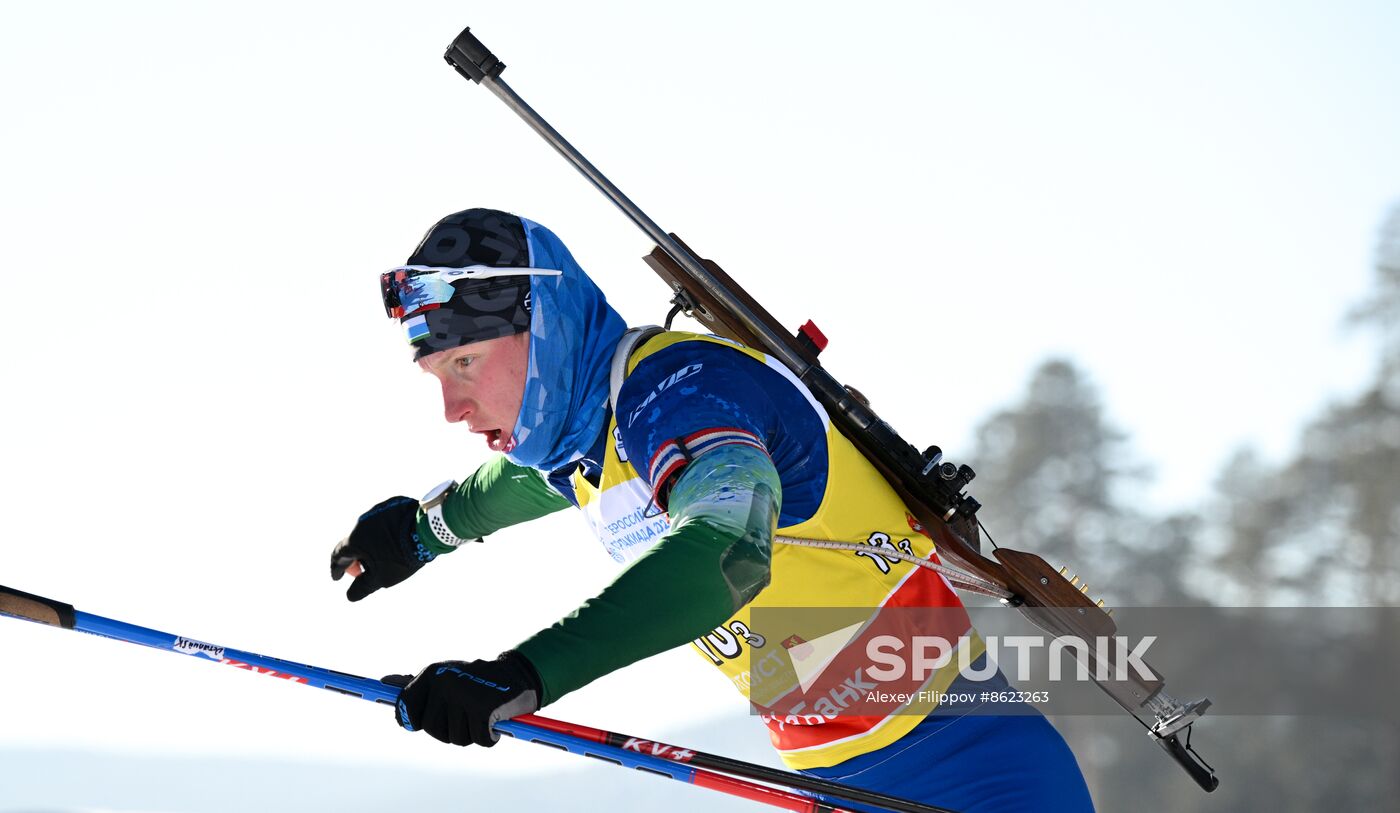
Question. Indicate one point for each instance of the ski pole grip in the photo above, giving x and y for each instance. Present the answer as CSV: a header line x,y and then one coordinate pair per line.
x,y
471,58
36,608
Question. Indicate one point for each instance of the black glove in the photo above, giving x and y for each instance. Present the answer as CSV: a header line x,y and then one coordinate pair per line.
x,y
458,702
385,543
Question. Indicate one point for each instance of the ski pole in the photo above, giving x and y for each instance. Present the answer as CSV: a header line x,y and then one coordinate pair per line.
x,y
736,767
576,739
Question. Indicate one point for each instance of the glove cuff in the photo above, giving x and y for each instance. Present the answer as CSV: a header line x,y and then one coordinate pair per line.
x,y
516,662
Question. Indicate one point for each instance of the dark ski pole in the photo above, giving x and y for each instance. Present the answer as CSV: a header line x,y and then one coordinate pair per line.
x,y
680,764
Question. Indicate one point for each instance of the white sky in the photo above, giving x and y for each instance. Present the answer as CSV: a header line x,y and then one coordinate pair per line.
x,y
202,393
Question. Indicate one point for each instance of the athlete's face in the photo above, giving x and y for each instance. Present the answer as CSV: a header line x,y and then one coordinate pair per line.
x,y
483,384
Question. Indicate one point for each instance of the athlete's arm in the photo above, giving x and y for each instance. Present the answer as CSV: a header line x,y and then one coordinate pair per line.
x,y
702,424
499,494
714,559
395,539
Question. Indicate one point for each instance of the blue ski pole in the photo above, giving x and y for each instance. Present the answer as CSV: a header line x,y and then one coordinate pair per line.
x,y
28,607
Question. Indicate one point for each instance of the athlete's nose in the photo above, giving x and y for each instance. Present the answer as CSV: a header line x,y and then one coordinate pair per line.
x,y
457,406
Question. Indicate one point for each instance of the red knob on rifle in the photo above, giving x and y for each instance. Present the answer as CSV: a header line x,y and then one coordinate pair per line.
x,y
811,337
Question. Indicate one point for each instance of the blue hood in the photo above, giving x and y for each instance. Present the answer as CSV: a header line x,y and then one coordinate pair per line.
x,y
573,332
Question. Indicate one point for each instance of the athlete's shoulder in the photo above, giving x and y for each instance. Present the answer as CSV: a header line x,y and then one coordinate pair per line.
x,y
713,366
678,347
688,393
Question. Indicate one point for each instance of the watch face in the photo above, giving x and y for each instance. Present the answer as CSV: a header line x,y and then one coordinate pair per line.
x,y
439,493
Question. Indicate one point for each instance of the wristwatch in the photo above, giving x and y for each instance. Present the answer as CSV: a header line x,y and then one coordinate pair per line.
x,y
431,504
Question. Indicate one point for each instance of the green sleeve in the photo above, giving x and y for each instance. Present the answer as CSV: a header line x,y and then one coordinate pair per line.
x,y
497,495
714,559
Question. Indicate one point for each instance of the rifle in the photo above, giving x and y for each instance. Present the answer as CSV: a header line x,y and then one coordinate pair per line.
x,y
932,488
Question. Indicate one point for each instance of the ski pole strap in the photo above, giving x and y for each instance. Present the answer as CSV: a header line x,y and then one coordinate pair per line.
x,y
36,608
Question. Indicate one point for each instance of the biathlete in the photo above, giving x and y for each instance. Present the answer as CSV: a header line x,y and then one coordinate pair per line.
x,y
686,454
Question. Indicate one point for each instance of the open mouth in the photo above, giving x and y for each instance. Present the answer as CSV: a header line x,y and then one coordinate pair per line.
x,y
496,439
